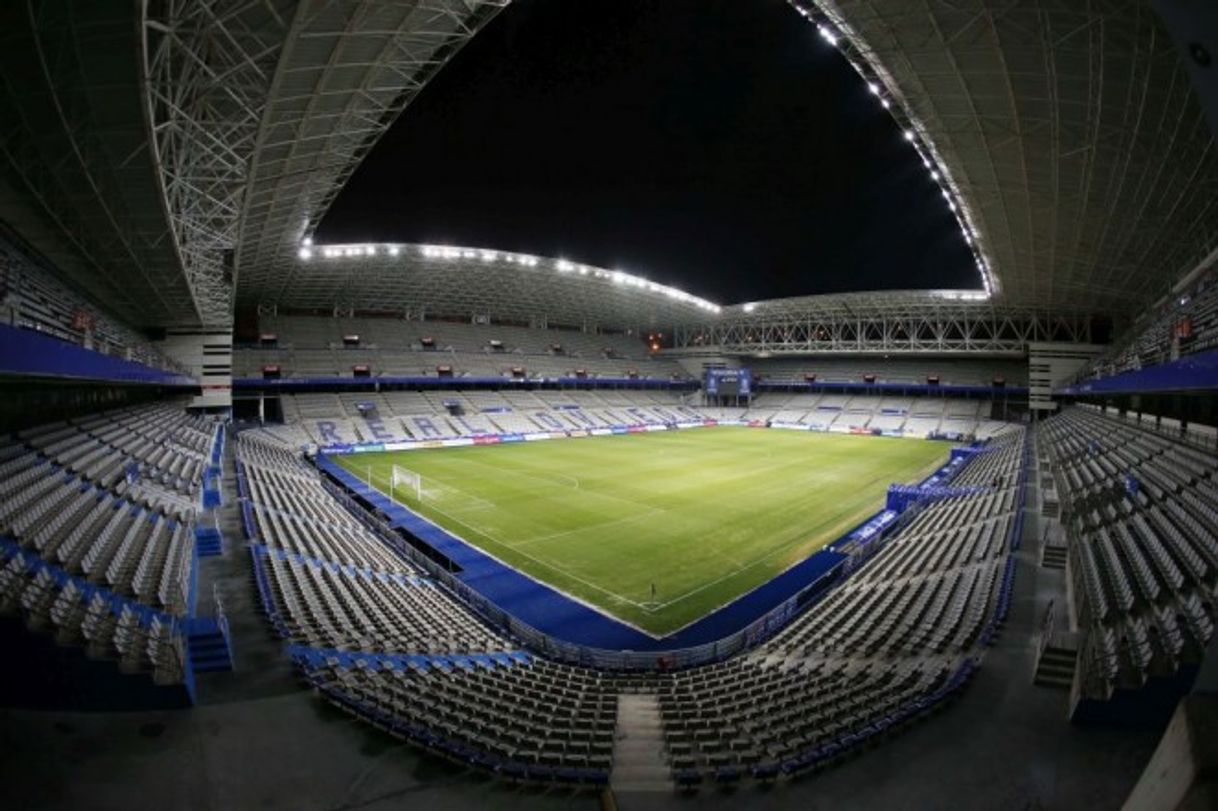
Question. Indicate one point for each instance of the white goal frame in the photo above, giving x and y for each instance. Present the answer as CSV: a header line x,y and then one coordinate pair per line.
x,y
401,475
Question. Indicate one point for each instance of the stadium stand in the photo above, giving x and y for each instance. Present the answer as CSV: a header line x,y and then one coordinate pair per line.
x,y
330,347
889,370
381,639
97,533
435,673
1183,325
31,298
169,176
327,419
1140,509
906,630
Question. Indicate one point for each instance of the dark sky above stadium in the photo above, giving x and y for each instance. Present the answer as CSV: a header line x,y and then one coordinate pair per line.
x,y
717,145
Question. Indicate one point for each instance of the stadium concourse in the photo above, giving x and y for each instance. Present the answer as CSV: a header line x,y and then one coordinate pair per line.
x,y
306,525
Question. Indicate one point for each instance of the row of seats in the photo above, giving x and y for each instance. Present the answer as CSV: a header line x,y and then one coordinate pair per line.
x,y
86,618
384,363
333,584
1140,511
316,333
82,558
327,419
153,454
93,534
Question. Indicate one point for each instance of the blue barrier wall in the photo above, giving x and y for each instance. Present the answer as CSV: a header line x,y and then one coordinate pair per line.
x,y
1192,373
23,352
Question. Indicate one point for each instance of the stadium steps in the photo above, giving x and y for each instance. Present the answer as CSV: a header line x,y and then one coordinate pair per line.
x,y
1054,557
1056,668
209,542
639,759
209,649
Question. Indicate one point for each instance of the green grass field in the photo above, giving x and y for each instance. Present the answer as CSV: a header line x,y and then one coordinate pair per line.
x,y
705,515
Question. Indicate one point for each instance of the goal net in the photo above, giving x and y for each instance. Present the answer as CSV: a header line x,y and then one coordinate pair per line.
x,y
407,480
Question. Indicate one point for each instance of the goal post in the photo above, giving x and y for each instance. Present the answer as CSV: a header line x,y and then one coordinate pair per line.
x,y
402,477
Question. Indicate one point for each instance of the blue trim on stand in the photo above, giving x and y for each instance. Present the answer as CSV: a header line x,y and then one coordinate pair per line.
x,y
27,353
371,383
1192,373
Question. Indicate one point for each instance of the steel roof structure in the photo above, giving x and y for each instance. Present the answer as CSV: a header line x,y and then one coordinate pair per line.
x,y
1069,133
906,322
427,281
76,178
171,156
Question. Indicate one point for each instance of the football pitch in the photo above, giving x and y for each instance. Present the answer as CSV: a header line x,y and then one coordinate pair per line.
x,y
703,515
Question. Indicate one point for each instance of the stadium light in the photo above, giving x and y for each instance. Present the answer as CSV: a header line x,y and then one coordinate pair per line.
x,y
618,277
748,308
307,242
863,65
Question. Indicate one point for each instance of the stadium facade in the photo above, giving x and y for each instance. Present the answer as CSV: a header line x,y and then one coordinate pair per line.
x,y
188,549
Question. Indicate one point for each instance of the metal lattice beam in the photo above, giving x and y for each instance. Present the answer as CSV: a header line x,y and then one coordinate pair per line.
x,y
73,155
884,323
208,67
346,73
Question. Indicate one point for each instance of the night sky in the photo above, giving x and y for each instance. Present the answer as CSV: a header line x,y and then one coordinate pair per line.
x,y
717,145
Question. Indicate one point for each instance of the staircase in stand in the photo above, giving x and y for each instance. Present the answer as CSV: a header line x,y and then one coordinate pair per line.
x,y
209,542
1054,557
208,647
1056,667
639,759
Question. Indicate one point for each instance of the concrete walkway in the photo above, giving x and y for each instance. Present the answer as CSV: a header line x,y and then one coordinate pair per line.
x,y
639,761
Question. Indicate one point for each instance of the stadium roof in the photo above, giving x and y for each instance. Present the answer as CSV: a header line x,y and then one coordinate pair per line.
x,y
1070,132
170,155
435,280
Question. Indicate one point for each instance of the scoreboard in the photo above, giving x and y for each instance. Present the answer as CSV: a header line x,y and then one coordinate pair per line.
x,y
728,382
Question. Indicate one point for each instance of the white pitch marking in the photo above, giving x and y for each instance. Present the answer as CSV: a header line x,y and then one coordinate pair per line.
x,y
538,561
